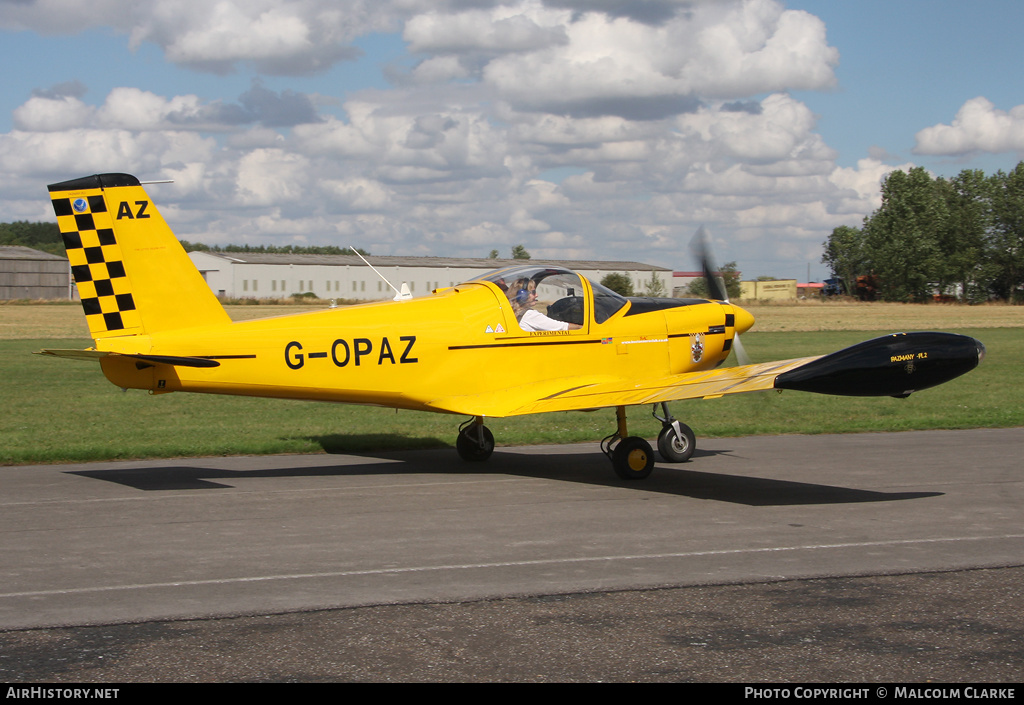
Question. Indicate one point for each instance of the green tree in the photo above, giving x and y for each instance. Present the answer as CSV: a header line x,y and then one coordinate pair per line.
x,y
729,275
1005,240
845,255
962,241
493,255
619,283
274,249
654,286
519,252
901,237
39,236
964,234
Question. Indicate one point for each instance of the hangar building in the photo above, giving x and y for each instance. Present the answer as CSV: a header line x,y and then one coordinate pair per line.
x,y
278,276
31,274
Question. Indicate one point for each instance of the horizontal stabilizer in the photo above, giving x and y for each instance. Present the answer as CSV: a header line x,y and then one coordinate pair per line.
x,y
175,360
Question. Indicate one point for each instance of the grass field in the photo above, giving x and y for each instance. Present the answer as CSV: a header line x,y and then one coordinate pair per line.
x,y
60,410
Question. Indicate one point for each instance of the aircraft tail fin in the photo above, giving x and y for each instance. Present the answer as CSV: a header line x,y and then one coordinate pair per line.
x,y
133,275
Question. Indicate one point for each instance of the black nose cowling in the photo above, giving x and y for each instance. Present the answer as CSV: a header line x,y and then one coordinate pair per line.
x,y
891,366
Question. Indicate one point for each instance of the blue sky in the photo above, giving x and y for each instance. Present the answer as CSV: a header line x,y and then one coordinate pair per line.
x,y
450,128
909,64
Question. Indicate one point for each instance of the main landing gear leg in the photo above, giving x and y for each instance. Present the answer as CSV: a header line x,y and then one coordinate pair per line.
x,y
632,457
676,442
475,442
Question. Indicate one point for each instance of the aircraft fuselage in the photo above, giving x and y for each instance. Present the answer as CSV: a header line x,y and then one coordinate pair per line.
x,y
408,354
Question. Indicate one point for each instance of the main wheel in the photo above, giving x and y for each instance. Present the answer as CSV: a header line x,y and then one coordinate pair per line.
x,y
633,458
676,449
469,445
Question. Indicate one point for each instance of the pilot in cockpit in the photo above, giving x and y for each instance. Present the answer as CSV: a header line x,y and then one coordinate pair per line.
x,y
523,295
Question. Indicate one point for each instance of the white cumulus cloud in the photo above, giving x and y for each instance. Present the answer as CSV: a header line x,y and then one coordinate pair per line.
x,y
978,127
52,114
580,128
613,65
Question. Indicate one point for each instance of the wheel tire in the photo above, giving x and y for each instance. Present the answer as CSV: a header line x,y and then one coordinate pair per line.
x,y
469,448
674,449
633,458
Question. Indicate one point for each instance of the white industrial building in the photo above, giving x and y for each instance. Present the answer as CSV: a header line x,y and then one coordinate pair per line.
x,y
278,276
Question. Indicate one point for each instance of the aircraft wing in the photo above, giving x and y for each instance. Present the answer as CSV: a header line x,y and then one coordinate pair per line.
x,y
892,365
571,394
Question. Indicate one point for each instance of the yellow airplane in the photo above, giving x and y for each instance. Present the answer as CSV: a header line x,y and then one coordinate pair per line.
x,y
478,349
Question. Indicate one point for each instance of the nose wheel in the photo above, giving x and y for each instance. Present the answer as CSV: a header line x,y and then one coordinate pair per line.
x,y
676,442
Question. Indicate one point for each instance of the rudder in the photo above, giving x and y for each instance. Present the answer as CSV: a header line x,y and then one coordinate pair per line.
x,y
133,275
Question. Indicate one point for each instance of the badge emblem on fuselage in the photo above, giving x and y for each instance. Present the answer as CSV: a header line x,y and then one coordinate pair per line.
x,y
697,347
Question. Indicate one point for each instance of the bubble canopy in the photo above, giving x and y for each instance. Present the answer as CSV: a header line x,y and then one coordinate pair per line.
x,y
562,289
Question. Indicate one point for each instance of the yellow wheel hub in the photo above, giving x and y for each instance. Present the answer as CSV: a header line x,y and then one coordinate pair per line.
x,y
637,459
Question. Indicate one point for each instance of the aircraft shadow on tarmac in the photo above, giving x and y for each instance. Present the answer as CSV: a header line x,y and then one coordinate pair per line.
x,y
584,467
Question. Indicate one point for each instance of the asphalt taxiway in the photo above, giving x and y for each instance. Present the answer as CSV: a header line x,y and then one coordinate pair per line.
x,y
140,543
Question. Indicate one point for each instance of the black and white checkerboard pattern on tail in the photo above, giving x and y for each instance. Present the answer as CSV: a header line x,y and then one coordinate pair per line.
x,y
97,264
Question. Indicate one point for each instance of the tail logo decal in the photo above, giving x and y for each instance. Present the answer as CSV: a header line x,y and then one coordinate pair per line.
x,y
96,264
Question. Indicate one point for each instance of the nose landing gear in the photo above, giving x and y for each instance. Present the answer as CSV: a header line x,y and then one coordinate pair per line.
x,y
676,442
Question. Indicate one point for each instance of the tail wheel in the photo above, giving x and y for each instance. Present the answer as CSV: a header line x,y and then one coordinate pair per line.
x,y
475,443
676,447
633,458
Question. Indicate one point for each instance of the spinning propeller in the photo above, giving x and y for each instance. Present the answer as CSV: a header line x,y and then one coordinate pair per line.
x,y
716,286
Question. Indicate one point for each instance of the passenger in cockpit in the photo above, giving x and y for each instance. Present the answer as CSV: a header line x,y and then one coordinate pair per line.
x,y
523,295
